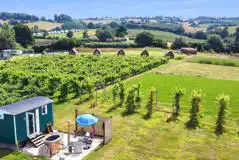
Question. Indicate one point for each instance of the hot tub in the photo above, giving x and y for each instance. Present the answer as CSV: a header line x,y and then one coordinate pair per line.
x,y
54,143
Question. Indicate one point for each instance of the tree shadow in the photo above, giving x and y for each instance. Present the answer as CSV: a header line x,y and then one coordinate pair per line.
x,y
124,114
114,107
172,117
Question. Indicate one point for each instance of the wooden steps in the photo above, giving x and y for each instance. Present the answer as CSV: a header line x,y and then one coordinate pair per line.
x,y
38,140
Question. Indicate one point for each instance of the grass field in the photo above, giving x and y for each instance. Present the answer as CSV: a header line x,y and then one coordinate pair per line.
x,y
91,33
137,138
204,70
166,36
215,60
44,25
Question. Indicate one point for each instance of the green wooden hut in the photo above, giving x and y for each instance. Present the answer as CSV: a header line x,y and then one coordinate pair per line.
x,y
25,119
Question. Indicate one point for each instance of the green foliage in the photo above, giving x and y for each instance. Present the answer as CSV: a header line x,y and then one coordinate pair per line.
x,y
85,34
75,24
110,45
215,43
91,25
121,31
160,43
24,35
62,18
179,57
70,34
150,104
64,44
138,98
178,43
195,115
62,76
132,101
119,90
105,33
144,39
215,61
7,38
223,101
179,93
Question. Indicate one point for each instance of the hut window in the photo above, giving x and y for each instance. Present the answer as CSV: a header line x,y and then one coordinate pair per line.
x,y
44,109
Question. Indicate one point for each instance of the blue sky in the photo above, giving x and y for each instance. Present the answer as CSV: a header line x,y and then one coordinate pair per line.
x,y
119,8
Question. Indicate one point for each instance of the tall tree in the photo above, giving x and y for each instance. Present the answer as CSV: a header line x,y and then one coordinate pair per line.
x,y
215,43
7,37
23,35
144,39
85,34
121,31
105,33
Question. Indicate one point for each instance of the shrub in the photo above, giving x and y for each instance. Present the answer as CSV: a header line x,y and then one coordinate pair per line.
x,y
196,99
64,44
132,104
223,101
144,39
150,104
176,100
179,57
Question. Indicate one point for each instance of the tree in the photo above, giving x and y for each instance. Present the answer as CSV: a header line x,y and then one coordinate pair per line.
x,y
62,18
144,39
104,34
70,34
121,31
114,25
215,42
65,44
224,33
150,104
45,33
85,34
23,35
178,43
7,38
235,46
195,115
91,25
223,101
176,100
200,35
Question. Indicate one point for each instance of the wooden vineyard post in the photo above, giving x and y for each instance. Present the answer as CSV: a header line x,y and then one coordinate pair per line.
x,y
76,126
104,91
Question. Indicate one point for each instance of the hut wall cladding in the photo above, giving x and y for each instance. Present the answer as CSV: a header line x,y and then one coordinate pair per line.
x,y
120,52
97,52
145,53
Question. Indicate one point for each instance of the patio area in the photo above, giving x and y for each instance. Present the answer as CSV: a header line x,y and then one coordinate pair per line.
x,y
64,153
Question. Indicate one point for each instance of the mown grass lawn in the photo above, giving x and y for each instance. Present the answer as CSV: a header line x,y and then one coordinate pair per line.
x,y
6,154
137,138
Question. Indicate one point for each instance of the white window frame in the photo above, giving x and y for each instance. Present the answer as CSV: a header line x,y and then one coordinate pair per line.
x,y
44,107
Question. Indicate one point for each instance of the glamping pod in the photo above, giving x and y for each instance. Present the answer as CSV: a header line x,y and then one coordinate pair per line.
x,y
25,120
169,54
97,52
145,53
120,52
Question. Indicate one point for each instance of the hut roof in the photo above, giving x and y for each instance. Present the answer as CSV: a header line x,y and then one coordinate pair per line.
x,y
145,53
97,52
26,105
120,52
73,51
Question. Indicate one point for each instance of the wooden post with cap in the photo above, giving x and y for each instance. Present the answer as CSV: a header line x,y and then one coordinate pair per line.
x,y
76,126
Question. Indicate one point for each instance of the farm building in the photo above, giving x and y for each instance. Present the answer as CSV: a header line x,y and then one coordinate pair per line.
x,y
25,120
189,51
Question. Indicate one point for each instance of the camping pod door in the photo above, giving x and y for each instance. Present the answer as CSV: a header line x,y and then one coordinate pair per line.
x,y
31,124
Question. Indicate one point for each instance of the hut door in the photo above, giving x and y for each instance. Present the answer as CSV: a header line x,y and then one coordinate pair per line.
x,y
30,124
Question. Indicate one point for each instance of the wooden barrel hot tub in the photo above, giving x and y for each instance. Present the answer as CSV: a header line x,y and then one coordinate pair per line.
x,y
54,143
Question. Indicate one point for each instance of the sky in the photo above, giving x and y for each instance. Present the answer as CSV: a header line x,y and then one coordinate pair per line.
x,y
120,8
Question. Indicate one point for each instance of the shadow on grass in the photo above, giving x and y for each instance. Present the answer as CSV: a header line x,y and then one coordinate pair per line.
x,y
124,114
114,107
4,152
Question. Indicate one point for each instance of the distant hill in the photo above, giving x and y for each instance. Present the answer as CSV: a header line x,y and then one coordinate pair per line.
x,y
45,25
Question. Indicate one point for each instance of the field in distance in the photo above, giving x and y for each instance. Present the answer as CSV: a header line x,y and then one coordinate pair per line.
x,y
44,25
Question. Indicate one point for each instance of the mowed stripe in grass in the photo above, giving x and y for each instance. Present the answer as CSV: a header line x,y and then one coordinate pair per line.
x,y
204,70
